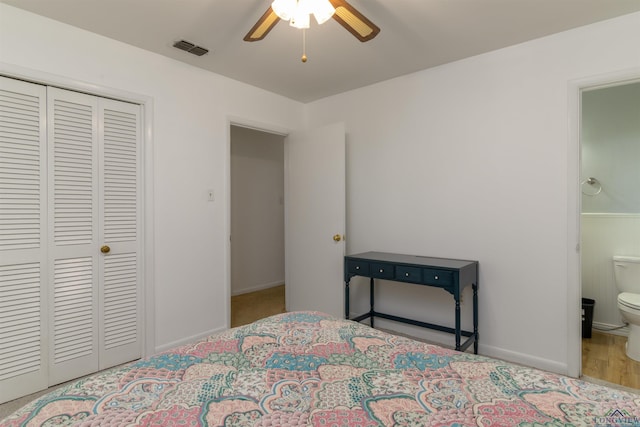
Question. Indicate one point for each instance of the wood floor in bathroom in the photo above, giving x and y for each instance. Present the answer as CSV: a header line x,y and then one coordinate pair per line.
x,y
604,358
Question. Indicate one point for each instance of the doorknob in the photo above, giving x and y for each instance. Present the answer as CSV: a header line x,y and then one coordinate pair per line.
x,y
337,238
105,249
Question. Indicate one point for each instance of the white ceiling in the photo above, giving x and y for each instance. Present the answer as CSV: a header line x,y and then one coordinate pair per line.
x,y
415,35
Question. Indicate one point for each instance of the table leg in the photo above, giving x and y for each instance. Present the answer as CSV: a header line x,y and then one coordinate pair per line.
x,y
457,323
475,317
371,301
346,300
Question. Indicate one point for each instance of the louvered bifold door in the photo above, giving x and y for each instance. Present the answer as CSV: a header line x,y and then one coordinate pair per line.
x,y
120,179
23,214
73,236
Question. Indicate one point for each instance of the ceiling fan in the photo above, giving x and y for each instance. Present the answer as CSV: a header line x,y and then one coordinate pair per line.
x,y
298,12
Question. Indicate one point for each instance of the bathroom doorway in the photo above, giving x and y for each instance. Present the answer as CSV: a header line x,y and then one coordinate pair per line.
x,y
609,219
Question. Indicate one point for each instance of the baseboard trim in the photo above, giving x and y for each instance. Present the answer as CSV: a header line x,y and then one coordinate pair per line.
x,y
188,340
525,359
607,329
446,340
257,288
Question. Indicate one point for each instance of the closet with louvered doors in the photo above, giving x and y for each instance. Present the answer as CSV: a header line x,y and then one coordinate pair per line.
x,y
70,221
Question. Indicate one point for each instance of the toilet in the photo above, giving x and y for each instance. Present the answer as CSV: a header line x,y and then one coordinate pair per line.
x,y
626,270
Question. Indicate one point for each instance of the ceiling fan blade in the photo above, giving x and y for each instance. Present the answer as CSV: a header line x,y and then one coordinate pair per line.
x,y
263,26
355,22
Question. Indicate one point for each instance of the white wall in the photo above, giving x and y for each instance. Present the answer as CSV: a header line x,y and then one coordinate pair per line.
x,y
257,210
192,109
469,160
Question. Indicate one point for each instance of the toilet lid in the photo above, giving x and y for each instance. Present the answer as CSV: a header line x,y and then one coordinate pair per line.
x,y
629,299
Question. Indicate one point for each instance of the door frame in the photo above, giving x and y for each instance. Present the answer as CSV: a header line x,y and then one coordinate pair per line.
x,y
261,127
147,239
574,265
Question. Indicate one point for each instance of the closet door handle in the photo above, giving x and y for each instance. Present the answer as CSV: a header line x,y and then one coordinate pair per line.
x,y
105,249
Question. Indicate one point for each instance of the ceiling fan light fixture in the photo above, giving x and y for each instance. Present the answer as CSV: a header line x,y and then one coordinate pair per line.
x,y
323,10
300,18
297,11
284,8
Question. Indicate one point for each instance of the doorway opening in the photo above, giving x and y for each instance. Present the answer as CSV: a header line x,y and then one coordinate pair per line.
x,y
606,206
257,224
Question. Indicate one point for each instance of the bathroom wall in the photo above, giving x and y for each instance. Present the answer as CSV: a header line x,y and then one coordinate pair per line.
x,y
610,143
604,235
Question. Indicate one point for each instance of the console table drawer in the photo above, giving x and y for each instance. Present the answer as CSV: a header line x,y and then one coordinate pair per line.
x,y
408,274
381,271
357,268
437,277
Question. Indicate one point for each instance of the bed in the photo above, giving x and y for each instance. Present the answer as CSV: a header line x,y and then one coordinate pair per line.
x,y
311,369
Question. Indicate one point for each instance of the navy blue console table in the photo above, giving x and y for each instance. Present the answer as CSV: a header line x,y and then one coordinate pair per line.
x,y
452,275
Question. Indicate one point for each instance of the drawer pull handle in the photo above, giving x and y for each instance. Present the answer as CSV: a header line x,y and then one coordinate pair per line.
x,y
436,277
406,274
381,271
357,267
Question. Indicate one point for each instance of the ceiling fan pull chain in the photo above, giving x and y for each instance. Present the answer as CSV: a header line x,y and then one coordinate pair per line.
x,y
304,45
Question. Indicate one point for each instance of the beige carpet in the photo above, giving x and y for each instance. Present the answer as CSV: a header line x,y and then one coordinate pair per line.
x,y
247,308
8,408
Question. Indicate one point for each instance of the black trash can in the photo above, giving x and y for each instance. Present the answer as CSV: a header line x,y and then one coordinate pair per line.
x,y
587,316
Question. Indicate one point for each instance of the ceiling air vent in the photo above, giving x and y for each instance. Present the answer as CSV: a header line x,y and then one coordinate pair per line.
x,y
190,47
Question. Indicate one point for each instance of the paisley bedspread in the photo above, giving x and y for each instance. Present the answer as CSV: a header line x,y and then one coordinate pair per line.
x,y
310,369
